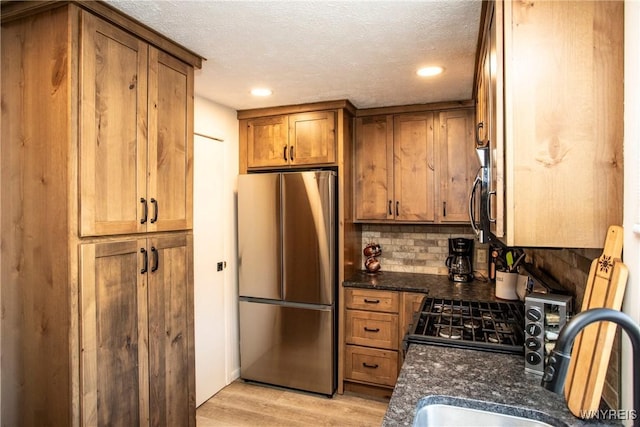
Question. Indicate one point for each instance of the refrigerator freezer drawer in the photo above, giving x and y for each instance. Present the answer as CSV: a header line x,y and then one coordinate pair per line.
x,y
288,346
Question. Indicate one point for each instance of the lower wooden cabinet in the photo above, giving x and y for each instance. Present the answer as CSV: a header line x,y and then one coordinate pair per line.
x,y
136,305
372,329
371,365
375,324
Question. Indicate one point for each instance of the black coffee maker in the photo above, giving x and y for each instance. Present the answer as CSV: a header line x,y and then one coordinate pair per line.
x,y
459,259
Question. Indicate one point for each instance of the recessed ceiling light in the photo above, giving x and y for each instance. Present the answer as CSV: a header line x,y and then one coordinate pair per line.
x,y
261,92
429,71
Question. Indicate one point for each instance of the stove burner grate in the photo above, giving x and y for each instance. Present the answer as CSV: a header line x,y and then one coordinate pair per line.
x,y
491,326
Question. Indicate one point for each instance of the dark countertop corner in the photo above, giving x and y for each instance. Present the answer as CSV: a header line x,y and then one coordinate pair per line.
x,y
488,378
438,286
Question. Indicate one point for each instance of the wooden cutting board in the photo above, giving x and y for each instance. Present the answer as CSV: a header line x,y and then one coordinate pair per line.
x,y
592,347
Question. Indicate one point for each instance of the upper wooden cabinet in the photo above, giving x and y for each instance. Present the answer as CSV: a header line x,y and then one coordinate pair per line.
x,y
291,140
401,158
457,164
414,167
374,168
555,119
136,134
268,141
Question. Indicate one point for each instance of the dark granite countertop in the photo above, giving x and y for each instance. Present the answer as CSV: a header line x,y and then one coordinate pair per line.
x,y
491,378
434,285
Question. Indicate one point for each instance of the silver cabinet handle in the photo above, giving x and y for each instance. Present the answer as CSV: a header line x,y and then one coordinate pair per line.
x,y
472,199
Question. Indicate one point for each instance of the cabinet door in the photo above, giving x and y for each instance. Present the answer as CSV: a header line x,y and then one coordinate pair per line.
x,y
414,167
312,138
268,142
411,302
458,164
495,91
171,346
113,136
374,167
170,189
114,358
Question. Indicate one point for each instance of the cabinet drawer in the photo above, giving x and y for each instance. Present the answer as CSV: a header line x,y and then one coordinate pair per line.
x,y
371,365
372,329
366,299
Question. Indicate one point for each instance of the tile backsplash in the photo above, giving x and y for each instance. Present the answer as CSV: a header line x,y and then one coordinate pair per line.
x,y
419,248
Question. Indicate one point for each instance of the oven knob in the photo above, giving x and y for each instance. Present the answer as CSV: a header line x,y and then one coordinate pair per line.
x,y
533,358
534,314
533,329
532,344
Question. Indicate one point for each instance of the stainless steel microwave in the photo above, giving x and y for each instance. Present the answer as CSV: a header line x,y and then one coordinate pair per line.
x,y
479,199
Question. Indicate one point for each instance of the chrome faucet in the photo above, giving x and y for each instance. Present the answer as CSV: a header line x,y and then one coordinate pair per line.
x,y
558,362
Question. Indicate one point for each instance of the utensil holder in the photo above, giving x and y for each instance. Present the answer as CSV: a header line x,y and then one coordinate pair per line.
x,y
506,284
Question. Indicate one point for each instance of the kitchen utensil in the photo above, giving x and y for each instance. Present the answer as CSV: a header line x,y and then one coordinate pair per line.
x,y
517,262
592,348
509,258
494,259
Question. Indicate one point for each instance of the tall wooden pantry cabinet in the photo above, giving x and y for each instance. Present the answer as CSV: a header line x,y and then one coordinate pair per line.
x,y
96,198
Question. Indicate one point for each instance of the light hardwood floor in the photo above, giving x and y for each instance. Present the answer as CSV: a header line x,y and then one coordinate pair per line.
x,y
246,404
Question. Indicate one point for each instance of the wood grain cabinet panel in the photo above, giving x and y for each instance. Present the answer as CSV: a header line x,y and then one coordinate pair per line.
x,y
414,167
137,340
300,139
268,141
555,138
137,135
371,336
171,336
374,168
367,299
97,287
113,143
458,165
372,329
312,138
170,185
114,301
410,304
371,365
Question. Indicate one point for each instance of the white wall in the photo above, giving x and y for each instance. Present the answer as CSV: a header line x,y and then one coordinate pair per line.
x,y
215,120
631,254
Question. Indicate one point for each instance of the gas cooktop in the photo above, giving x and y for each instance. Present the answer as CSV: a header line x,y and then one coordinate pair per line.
x,y
489,326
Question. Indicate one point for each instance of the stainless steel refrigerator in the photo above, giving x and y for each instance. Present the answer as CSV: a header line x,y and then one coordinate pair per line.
x,y
287,275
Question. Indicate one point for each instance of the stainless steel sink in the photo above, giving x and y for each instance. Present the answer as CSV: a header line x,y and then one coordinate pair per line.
x,y
452,411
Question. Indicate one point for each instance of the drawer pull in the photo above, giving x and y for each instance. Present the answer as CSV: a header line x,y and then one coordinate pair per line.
x,y
371,329
372,301
366,365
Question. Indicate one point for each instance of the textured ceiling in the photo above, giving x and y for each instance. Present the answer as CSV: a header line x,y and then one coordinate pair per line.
x,y
310,51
